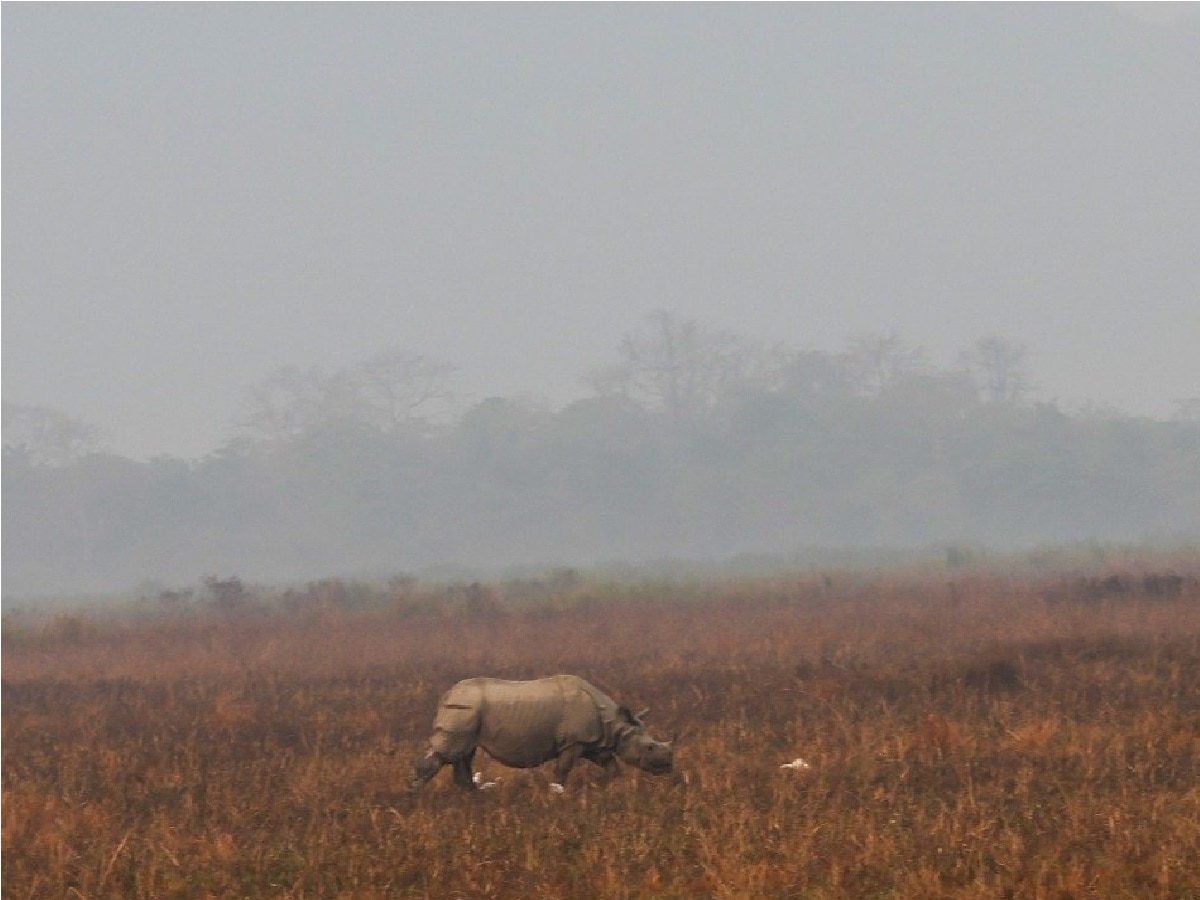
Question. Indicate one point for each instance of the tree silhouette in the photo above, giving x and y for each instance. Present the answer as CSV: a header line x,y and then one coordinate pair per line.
x,y
681,368
47,437
998,365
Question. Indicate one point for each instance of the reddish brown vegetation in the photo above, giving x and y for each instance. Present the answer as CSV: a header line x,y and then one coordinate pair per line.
x,y
987,736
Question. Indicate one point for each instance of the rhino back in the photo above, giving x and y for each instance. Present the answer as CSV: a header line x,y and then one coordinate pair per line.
x,y
526,723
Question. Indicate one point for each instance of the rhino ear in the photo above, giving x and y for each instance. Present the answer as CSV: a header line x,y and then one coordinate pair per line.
x,y
626,715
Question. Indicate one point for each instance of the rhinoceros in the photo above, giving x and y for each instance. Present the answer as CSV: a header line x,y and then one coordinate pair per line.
x,y
523,724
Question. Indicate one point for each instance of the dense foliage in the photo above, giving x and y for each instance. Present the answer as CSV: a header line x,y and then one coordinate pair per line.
x,y
694,445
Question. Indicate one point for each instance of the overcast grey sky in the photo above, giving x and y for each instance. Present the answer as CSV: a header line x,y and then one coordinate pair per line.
x,y
196,194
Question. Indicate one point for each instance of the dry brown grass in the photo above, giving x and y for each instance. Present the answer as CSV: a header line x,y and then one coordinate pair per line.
x,y
993,736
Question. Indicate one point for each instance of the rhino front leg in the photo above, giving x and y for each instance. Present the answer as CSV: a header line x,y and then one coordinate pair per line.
x,y
562,768
463,776
605,760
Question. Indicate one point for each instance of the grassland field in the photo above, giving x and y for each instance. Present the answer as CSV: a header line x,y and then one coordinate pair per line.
x,y
972,732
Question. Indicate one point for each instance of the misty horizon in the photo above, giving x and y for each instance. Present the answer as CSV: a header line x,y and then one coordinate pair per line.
x,y
195,197
455,402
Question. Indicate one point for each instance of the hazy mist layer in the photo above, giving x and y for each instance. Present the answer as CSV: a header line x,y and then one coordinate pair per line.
x,y
195,195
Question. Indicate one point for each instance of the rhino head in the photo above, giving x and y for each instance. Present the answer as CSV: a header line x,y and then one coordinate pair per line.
x,y
636,747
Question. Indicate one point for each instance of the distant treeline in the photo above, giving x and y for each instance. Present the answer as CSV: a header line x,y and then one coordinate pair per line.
x,y
697,444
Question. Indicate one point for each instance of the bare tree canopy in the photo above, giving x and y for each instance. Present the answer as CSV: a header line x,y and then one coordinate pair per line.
x,y
291,401
878,361
998,366
399,389
682,368
392,390
48,437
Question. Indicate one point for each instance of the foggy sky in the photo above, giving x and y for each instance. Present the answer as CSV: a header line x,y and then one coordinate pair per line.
x,y
194,195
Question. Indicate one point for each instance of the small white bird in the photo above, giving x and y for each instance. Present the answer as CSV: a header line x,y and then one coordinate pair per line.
x,y
484,785
797,764
556,788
